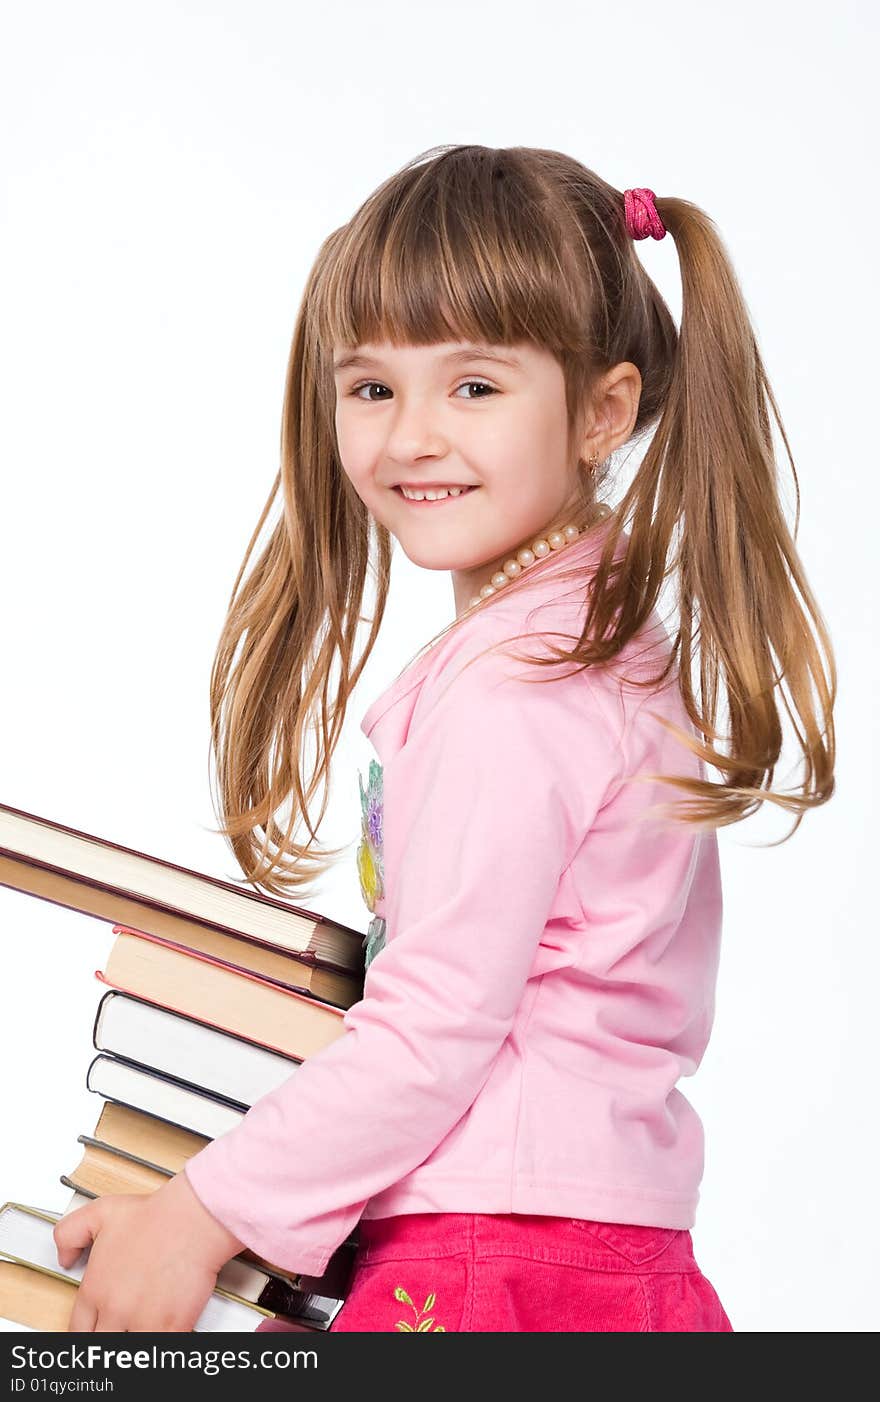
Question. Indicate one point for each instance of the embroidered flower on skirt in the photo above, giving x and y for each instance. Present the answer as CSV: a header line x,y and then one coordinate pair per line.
x,y
370,859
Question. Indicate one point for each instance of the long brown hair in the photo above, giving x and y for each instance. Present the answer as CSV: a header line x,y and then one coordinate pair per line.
x,y
503,246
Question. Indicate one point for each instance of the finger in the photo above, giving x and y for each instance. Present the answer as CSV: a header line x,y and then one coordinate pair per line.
x,y
75,1232
82,1316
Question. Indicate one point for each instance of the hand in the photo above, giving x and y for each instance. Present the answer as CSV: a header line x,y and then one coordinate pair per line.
x,y
153,1261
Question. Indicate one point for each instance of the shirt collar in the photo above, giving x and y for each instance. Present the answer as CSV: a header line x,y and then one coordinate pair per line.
x,y
544,586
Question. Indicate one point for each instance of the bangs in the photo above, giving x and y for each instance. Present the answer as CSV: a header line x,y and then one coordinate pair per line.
x,y
466,247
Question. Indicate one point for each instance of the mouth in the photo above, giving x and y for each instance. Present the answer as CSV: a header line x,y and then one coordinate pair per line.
x,y
425,503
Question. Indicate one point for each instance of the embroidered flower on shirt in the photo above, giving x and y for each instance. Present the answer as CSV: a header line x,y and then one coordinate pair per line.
x,y
423,1327
370,858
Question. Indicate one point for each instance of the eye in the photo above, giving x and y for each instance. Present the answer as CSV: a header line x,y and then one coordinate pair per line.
x,y
466,384
480,384
367,384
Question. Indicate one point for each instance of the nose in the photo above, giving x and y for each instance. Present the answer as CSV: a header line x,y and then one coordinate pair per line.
x,y
414,433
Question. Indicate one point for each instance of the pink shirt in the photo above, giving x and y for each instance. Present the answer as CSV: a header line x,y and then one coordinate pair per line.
x,y
549,965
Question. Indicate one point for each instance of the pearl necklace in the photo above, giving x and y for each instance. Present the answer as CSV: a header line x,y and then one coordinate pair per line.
x,y
555,540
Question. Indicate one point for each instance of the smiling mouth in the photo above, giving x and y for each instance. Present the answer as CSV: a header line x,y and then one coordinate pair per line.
x,y
434,501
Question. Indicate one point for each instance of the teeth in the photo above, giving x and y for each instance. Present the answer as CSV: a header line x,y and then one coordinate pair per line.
x,y
432,494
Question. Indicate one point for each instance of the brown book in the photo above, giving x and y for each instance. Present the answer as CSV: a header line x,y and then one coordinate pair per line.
x,y
35,1299
185,982
101,878
101,1171
153,1141
275,965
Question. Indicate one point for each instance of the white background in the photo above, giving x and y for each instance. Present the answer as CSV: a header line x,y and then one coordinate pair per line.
x,y
168,173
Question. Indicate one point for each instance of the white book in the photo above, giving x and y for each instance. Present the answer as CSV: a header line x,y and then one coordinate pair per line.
x,y
155,1095
188,1050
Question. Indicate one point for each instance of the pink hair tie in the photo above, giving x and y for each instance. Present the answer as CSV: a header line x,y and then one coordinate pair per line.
x,y
642,218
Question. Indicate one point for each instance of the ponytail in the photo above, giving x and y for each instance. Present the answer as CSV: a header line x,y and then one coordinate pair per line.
x,y
707,486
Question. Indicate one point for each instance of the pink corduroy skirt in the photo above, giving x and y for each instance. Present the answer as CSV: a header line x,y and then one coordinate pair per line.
x,y
463,1272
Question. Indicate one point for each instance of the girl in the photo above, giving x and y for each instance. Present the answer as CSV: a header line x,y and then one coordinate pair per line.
x,y
500,1118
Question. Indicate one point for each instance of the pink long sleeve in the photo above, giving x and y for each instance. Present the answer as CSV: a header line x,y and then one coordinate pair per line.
x,y
485,806
550,956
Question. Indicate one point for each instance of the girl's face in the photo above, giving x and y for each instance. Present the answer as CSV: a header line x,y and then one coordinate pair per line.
x,y
492,418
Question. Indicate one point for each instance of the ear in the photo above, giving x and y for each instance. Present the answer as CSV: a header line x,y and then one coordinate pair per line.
x,y
614,408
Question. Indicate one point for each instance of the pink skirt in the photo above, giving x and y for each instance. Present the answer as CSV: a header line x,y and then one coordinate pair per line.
x,y
462,1272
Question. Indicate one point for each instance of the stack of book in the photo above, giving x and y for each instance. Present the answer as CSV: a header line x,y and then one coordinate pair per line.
x,y
215,994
